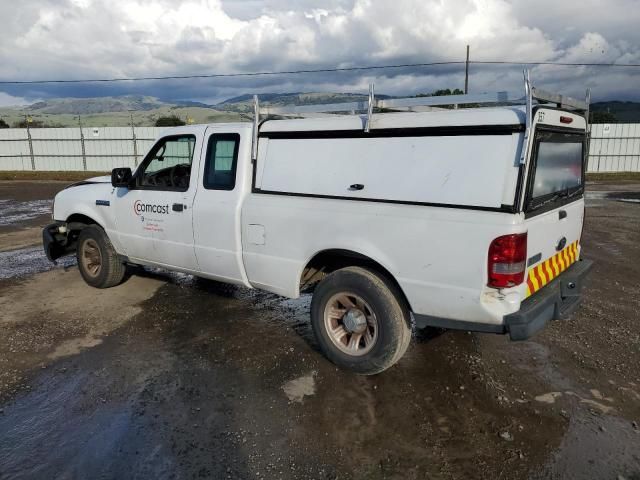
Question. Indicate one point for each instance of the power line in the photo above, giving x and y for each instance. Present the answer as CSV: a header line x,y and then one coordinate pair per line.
x,y
319,70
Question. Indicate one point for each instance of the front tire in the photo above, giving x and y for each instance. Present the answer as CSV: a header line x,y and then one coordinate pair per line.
x,y
360,321
98,261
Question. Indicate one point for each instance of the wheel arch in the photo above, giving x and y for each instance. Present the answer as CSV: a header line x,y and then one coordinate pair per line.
x,y
76,222
81,218
329,260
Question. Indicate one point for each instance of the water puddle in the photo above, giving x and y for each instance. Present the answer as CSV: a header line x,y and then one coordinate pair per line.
x,y
595,446
625,197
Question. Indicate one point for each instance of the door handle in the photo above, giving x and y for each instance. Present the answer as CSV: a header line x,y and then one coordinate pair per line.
x,y
177,207
356,186
562,214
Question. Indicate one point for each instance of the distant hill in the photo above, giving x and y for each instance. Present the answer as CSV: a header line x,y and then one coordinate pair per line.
x,y
117,111
113,112
625,112
88,106
265,97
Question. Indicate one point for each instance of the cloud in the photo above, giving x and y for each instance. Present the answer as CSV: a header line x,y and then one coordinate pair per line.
x,y
122,38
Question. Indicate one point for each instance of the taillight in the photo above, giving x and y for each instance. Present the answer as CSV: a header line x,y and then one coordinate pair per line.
x,y
507,260
564,119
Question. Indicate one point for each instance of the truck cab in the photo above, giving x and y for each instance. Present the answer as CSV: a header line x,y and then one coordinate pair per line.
x,y
455,218
181,208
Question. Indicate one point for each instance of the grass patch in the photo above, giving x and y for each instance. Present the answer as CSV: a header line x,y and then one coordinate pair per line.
x,y
63,176
613,177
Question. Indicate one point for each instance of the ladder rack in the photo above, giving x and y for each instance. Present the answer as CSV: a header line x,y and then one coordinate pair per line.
x,y
373,105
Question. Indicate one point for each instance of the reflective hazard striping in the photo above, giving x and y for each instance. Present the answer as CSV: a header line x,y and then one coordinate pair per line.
x,y
544,272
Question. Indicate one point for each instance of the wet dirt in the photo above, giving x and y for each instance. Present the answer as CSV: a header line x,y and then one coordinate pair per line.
x,y
25,207
167,376
26,204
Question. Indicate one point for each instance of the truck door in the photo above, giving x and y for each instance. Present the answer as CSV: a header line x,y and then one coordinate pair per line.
x,y
554,203
154,216
217,209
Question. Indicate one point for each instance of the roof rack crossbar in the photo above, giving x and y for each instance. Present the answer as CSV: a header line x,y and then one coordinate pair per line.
x,y
561,101
478,98
302,109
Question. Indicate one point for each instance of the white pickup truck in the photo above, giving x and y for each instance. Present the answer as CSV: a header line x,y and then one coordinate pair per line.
x,y
459,218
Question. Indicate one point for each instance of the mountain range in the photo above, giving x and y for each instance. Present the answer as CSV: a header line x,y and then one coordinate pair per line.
x,y
145,110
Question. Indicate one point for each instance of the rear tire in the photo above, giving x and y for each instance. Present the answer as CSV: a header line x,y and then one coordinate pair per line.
x,y
360,320
98,261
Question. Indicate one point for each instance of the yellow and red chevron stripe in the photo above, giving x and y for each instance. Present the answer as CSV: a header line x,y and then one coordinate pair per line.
x,y
544,272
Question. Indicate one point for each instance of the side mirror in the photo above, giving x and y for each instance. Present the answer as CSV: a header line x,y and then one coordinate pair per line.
x,y
121,177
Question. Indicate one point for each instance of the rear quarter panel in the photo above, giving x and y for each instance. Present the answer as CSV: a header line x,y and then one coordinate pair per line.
x,y
437,255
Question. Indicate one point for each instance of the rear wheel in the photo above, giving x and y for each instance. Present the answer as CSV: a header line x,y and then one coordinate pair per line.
x,y
98,261
360,321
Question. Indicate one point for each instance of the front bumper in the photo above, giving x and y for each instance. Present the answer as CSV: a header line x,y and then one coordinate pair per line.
x,y
54,242
555,301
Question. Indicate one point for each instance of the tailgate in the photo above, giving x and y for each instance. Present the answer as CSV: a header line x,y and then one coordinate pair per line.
x,y
554,204
553,244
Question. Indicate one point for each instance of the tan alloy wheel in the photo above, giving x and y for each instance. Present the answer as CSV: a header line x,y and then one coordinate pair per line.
x,y
91,257
351,324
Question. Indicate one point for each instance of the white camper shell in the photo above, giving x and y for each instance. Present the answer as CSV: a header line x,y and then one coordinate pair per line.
x,y
462,218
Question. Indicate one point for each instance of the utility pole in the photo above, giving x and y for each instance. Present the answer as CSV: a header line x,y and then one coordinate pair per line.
x,y
466,73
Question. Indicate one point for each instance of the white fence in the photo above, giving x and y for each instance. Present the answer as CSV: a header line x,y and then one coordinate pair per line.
x,y
614,148
91,149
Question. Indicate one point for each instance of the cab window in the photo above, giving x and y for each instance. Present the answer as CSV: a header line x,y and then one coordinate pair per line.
x,y
221,162
168,165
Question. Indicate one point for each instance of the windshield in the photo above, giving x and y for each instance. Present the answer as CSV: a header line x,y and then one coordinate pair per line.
x,y
558,167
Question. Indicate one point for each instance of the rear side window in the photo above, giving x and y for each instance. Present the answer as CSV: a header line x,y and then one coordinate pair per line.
x,y
558,172
221,163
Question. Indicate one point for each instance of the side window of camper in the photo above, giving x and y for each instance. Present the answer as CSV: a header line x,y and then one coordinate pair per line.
x,y
221,163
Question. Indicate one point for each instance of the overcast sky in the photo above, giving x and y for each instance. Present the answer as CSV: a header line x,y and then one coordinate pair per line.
x,y
63,39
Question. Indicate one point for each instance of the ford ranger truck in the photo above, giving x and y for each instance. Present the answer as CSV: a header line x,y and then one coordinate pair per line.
x,y
467,218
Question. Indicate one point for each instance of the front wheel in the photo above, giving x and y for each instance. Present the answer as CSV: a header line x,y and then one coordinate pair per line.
x,y
98,261
360,321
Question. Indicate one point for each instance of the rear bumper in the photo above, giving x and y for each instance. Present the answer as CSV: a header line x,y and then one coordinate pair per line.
x,y
557,300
